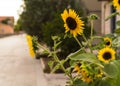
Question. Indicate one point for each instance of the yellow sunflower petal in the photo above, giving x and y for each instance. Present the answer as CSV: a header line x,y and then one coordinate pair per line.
x,y
108,42
72,13
64,15
72,22
106,54
30,44
116,4
76,69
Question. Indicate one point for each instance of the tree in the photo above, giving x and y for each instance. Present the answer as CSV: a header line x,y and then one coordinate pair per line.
x,y
42,18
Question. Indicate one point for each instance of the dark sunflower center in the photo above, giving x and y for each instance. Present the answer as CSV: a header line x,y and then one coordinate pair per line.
x,y
107,43
79,64
72,24
107,55
119,1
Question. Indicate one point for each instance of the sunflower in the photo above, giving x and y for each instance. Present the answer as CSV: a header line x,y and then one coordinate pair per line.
x,y
83,73
87,79
116,4
77,68
30,44
99,74
108,42
85,76
106,54
72,22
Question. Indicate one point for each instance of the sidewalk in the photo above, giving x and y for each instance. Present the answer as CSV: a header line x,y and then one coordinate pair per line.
x,y
18,69
16,66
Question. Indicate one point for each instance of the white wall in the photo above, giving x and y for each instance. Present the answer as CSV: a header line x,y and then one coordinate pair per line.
x,y
94,6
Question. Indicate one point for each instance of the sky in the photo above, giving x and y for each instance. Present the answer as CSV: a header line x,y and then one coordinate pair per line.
x,y
10,8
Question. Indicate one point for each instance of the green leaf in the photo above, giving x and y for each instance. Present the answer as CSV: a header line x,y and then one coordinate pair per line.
x,y
68,70
117,31
118,22
51,63
116,42
117,64
88,57
78,82
56,67
84,56
93,17
35,43
76,53
57,44
113,70
98,46
103,83
112,15
96,37
55,38
72,63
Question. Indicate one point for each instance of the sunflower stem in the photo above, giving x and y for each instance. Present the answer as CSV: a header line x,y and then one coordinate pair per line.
x,y
85,38
39,45
68,74
62,66
89,43
91,39
78,42
91,29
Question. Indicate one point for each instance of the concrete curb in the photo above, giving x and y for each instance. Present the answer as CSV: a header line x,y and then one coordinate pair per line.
x,y
56,79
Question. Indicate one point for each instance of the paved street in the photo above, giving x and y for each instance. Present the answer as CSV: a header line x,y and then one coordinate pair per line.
x,y
16,66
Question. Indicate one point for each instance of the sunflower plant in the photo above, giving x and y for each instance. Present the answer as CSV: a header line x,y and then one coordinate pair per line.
x,y
92,64
32,43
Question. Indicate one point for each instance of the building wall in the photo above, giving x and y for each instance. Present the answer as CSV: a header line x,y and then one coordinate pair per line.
x,y
94,6
6,28
106,11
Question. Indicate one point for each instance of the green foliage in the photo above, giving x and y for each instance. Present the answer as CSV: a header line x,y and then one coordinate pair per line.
x,y
88,57
51,64
100,68
112,69
82,56
55,27
56,67
42,18
117,30
116,42
35,43
93,17
112,15
18,26
80,83
113,72
93,69
118,22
